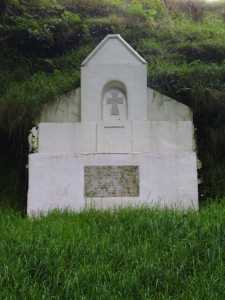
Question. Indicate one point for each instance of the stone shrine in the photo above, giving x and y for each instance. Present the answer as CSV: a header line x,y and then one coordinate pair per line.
x,y
114,142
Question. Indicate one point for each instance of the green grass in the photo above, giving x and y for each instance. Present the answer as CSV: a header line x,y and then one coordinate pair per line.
x,y
128,254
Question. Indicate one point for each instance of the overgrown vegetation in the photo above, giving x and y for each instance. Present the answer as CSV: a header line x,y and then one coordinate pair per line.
x,y
130,254
42,43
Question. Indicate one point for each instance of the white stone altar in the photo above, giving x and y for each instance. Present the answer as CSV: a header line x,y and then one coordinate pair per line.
x,y
114,142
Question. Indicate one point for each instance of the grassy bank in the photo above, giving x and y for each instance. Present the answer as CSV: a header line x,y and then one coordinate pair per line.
x,y
130,254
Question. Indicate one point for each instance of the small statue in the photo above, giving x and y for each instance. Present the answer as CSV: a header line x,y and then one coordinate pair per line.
x,y
199,164
33,140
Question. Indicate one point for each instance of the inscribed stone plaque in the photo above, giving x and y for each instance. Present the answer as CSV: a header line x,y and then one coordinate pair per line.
x,y
111,181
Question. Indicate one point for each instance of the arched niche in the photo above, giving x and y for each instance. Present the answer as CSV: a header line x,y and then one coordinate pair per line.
x,y
114,102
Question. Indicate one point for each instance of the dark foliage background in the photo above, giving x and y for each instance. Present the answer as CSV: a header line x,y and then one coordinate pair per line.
x,y
42,43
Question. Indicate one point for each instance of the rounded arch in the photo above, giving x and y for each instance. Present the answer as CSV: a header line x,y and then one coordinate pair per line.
x,y
114,106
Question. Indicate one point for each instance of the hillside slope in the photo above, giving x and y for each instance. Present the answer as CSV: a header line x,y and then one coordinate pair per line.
x,y
43,42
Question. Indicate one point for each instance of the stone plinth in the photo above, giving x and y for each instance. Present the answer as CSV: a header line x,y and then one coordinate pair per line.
x,y
58,181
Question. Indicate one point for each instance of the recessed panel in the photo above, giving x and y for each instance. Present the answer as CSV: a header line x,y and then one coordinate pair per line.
x,y
114,137
111,181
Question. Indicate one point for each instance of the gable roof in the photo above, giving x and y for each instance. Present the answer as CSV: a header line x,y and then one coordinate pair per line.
x,y
105,40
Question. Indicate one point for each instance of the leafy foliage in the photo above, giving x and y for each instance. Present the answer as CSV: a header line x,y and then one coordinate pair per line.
x,y
44,41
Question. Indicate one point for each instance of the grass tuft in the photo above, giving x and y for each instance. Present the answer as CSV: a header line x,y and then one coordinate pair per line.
x,y
127,254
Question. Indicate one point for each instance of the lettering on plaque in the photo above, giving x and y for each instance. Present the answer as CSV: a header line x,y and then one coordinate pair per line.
x,y
111,181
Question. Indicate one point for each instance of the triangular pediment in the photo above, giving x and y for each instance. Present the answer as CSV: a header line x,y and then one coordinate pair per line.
x,y
113,49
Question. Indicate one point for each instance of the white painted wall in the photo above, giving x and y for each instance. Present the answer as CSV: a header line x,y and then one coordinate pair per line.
x,y
57,181
66,108
164,108
131,137
134,78
163,147
67,138
169,129
113,62
157,136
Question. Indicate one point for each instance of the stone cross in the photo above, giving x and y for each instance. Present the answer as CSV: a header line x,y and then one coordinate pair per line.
x,y
114,101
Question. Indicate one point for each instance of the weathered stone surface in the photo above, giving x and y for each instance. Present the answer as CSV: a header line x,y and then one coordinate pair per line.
x,y
111,181
65,109
163,108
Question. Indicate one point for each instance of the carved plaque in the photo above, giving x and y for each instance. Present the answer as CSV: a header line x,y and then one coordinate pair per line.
x,y
111,181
